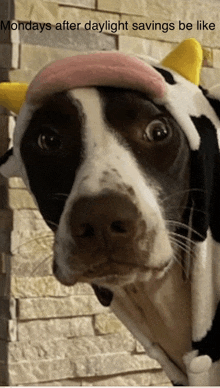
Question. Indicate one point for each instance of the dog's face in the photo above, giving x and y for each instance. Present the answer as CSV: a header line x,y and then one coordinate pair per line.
x,y
110,172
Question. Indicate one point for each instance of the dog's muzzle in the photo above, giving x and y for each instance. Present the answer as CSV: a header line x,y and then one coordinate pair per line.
x,y
106,223
109,240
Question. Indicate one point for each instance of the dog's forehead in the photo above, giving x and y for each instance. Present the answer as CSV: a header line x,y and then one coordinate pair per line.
x,y
76,99
59,102
178,100
106,102
122,107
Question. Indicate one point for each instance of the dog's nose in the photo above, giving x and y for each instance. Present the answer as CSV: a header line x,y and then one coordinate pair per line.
x,y
108,219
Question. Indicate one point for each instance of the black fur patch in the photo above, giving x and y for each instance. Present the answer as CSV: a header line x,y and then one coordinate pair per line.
x,y
215,103
205,182
6,156
166,75
210,345
104,295
51,173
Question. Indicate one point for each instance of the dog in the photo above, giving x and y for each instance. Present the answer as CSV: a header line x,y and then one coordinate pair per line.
x,y
123,176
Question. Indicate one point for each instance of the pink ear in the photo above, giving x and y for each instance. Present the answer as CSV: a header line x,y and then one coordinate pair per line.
x,y
96,69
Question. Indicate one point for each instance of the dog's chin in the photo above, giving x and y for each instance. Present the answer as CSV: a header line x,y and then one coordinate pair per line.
x,y
112,274
130,275
68,279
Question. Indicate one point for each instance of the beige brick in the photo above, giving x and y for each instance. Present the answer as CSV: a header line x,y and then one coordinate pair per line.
x,y
21,75
11,128
15,35
29,221
132,7
30,261
45,286
28,372
21,199
84,16
12,330
36,349
139,46
16,183
210,77
32,372
208,57
37,308
139,348
78,40
66,382
111,364
29,229
31,245
52,329
13,308
80,3
216,58
159,50
15,56
207,38
36,11
154,33
108,323
32,258
95,345
153,10
145,378
171,11
34,287
35,57
8,330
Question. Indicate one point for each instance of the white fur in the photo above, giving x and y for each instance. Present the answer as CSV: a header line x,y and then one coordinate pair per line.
x,y
103,152
184,99
203,285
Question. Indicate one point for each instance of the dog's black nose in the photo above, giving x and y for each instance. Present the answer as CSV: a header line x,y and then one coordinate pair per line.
x,y
108,219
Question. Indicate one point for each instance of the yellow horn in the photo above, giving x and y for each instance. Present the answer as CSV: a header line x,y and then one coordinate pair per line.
x,y
186,59
12,95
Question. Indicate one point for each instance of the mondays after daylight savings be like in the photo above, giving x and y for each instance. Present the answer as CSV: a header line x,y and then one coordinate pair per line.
x,y
108,26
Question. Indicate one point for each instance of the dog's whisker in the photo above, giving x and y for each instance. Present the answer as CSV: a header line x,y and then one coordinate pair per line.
x,y
184,262
184,247
52,223
181,245
181,192
184,226
185,243
182,238
41,264
177,207
47,237
179,260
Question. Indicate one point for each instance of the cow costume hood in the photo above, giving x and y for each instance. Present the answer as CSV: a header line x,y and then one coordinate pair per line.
x,y
174,85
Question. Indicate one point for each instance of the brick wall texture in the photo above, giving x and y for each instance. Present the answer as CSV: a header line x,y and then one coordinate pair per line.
x,y
51,334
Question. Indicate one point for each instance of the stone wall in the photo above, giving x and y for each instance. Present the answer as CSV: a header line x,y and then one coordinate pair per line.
x,y
51,334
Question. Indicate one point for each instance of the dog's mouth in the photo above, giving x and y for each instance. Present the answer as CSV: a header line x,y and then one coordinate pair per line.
x,y
111,272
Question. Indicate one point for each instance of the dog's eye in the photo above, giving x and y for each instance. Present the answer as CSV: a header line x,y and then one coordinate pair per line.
x,y
156,131
49,141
